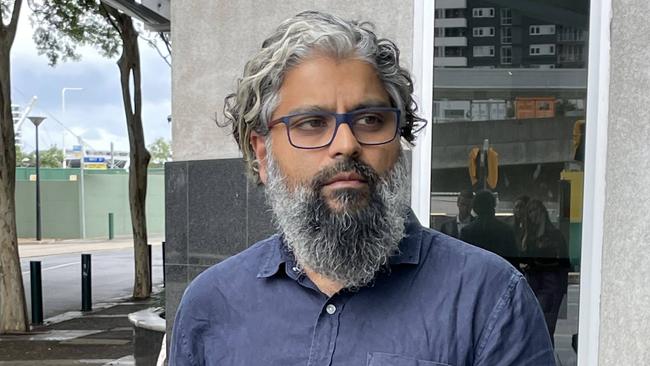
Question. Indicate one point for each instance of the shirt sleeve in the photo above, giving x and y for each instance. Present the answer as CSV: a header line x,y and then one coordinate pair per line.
x,y
515,333
189,325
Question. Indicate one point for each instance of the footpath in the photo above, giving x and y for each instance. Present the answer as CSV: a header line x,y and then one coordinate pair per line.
x,y
103,336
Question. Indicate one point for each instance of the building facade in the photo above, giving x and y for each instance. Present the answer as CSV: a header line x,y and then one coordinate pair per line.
x,y
519,74
496,34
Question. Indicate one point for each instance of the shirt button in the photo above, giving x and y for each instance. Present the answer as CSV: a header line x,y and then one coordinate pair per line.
x,y
331,309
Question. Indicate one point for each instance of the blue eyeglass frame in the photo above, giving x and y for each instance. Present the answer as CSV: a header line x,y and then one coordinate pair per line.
x,y
341,118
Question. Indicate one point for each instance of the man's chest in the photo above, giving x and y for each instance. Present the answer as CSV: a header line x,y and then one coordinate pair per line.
x,y
359,329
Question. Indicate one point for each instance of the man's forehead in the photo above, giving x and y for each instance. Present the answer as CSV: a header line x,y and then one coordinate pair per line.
x,y
328,84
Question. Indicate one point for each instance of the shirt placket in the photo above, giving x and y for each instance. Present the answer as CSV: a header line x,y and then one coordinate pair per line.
x,y
326,332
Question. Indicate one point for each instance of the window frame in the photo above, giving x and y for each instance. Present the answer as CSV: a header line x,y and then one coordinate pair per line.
x,y
501,55
480,12
491,51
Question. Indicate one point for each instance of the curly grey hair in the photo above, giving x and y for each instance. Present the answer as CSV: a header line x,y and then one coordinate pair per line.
x,y
250,107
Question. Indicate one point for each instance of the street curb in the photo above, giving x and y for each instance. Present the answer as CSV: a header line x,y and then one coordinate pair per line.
x,y
96,307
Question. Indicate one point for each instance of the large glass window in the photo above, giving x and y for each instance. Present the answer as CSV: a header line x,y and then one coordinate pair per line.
x,y
509,121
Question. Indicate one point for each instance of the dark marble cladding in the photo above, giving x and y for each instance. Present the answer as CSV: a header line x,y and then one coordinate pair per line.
x,y
217,210
176,212
212,212
175,284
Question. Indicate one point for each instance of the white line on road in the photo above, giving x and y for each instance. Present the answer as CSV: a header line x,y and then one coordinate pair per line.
x,y
54,267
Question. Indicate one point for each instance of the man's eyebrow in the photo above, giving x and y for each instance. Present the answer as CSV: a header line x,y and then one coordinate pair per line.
x,y
309,109
322,109
371,104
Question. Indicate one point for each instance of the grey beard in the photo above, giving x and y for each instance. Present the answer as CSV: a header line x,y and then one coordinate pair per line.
x,y
351,244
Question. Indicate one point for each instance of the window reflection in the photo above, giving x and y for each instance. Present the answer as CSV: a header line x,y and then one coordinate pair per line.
x,y
509,118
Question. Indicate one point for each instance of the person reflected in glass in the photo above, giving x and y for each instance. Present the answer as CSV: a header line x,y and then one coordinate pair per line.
x,y
454,226
519,223
547,267
488,232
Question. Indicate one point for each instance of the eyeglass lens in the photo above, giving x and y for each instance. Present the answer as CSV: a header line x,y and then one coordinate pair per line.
x,y
312,130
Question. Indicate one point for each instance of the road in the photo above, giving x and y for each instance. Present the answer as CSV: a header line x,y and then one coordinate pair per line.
x,y
112,277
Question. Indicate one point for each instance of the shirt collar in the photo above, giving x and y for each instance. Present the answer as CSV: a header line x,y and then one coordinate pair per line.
x,y
277,253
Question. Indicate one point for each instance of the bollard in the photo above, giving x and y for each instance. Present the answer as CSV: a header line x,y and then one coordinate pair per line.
x,y
163,262
150,267
86,288
110,226
37,292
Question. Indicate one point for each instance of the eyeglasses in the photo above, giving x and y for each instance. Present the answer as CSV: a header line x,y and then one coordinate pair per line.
x,y
314,130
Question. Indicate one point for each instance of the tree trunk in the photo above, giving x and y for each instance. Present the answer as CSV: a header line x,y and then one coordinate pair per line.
x,y
13,310
129,65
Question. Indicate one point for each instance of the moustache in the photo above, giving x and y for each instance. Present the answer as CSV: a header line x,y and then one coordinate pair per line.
x,y
349,165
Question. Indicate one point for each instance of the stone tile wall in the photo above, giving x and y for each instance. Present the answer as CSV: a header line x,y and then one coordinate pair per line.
x,y
212,212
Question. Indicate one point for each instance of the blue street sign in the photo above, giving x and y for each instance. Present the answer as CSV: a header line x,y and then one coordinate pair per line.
x,y
76,148
94,159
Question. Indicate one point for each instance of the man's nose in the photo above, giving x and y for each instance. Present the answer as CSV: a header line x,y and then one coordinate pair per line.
x,y
344,143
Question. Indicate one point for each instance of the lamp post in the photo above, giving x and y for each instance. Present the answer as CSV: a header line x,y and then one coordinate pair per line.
x,y
37,121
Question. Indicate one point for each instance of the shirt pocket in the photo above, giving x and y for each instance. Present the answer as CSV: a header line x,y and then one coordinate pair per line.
x,y
391,359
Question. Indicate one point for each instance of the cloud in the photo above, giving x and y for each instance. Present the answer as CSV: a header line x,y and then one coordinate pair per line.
x,y
96,113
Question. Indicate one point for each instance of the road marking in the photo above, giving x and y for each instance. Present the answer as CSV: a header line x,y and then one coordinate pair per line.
x,y
54,267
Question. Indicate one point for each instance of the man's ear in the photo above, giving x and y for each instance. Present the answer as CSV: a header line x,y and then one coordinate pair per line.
x,y
257,142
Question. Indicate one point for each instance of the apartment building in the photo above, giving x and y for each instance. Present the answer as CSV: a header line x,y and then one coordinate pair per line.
x,y
498,34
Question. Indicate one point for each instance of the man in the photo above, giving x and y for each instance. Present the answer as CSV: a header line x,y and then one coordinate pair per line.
x,y
488,232
464,217
352,278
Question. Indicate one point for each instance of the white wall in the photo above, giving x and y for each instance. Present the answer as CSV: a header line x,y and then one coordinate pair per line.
x,y
212,42
625,296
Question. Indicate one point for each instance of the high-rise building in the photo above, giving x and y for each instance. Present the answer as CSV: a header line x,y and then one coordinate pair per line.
x,y
481,34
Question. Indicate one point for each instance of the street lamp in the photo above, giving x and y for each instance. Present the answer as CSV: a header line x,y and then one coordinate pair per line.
x,y
37,121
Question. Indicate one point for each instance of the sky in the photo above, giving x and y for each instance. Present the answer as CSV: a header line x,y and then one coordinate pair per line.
x,y
95,113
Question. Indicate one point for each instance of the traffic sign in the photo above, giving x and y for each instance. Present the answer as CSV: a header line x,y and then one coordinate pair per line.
x,y
94,159
101,166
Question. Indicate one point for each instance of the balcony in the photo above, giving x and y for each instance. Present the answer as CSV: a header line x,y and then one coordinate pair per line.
x,y
451,4
450,41
450,61
451,23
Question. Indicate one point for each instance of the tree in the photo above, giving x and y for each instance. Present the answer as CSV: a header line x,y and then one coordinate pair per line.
x,y
51,158
22,157
161,152
64,25
13,310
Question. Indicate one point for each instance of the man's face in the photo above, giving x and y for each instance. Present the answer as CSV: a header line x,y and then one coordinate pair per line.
x,y
519,210
342,208
464,206
332,85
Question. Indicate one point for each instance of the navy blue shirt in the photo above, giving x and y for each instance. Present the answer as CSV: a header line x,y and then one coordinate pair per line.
x,y
443,302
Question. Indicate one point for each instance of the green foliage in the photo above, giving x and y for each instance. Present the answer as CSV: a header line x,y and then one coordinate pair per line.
x,y
22,158
50,158
61,26
160,151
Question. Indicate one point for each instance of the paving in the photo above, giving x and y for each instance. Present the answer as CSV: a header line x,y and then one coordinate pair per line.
x,y
103,336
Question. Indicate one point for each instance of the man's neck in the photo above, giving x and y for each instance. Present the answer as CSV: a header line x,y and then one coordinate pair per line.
x,y
324,284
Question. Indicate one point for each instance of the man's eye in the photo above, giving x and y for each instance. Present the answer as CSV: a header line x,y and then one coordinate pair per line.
x,y
309,124
369,120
